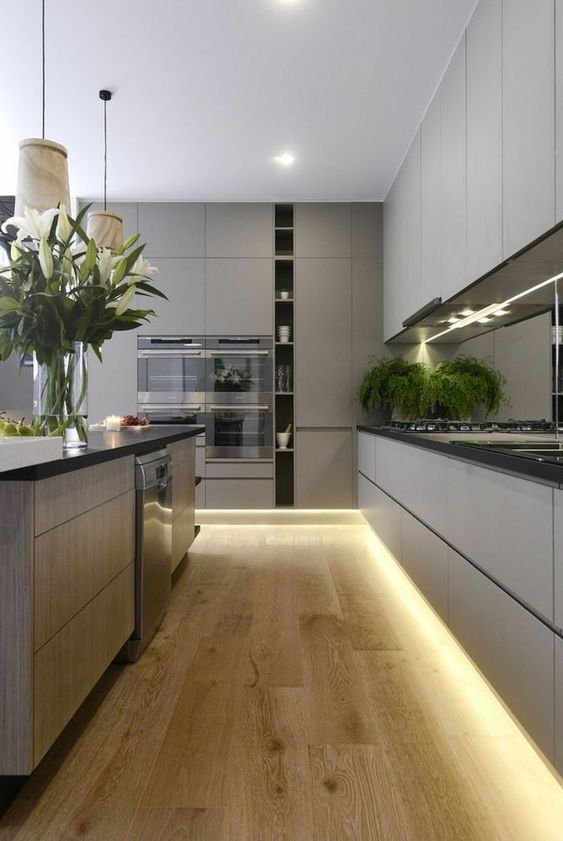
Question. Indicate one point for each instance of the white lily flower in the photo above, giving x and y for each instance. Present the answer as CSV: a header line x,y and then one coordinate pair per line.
x,y
124,301
63,227
45,258
142,268
32,224
107,262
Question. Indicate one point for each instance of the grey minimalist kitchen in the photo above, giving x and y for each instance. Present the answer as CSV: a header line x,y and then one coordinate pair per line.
x,y
281,420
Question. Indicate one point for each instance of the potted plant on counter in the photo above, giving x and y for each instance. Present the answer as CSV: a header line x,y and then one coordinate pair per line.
x,y
463,386
59,295
398,387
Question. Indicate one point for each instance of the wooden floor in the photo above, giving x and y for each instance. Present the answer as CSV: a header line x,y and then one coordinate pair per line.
x,y
299,689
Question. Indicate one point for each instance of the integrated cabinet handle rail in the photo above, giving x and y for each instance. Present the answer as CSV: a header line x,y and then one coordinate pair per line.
x,y
171,354
171,406
240,408
241,352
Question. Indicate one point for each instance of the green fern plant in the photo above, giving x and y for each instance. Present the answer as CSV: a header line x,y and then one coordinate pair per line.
x,y
395,385
458,386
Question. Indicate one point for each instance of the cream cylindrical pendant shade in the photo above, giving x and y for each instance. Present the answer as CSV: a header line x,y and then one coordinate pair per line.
x,y
42,175
105,228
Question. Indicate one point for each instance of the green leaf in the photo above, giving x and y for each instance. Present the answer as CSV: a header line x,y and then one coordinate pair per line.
x,y
8,304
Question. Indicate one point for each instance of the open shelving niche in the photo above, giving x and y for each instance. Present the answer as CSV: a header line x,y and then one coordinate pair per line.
x,y
284,275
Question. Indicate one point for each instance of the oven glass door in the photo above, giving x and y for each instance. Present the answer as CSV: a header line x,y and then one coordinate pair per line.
x,y
239,432
239,376
171,376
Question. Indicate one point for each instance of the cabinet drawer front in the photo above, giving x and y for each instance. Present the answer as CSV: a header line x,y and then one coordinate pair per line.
x,y
239,493
239,470
425,486
511,647
388,466
60,498
181,450
70,664
73,562
425,558
366,455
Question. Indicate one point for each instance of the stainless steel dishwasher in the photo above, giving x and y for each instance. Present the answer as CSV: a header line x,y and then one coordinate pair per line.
x,y
153,555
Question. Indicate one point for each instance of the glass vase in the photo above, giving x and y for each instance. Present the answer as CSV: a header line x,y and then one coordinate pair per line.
x,y
60,395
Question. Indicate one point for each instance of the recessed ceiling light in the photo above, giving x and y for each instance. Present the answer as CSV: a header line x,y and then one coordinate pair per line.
x,y
484,320
285,159
453,320
467,312
502,312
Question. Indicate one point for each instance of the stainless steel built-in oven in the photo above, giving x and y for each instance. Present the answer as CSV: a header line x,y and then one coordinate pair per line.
x,y
239,404
171,378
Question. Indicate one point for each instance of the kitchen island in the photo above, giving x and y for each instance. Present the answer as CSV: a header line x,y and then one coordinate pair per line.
x,y
480,532
67,583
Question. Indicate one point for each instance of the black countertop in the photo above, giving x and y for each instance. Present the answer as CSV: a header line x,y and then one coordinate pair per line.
x,y
453,446
106,446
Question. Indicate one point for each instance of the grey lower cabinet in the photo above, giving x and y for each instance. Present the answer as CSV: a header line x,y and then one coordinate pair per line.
x,y
324,475
183,281
528,121
558,111
425,558
239,493
558,555
366,455
239,296
239,230
484,139
173,229
383,514
513,649
323,336
323,230
558,702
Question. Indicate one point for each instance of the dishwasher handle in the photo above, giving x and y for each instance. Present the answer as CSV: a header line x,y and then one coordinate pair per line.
x,y
153,469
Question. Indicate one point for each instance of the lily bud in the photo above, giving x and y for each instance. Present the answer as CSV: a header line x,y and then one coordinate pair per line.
x,y
63,227
45,258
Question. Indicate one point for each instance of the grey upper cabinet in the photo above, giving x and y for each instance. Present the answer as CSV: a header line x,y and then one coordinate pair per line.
x,y
239,297
324,478
453,184
323,230
559,703
559,113
393,258
484,139
183,314
239,230
323,336
431,201
413,293
558,572
112,384
127,210
528,121
173,229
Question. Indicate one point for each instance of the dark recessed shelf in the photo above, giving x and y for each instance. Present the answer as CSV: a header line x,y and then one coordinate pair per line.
x,y
284,300
288,450
285,344
284,393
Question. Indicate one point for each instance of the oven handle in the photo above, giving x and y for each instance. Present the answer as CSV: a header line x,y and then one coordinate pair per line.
x,y
172,406
240,407
170,354
241,352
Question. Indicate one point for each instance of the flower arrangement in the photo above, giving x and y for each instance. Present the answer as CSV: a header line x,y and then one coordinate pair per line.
x,y
60,293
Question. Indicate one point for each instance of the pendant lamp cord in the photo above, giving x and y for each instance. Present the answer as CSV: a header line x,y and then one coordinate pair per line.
x,y
43,68
105,154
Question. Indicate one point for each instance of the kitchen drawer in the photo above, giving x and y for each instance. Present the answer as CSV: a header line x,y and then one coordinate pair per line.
x,y
388,466
367,497
239,470
366,455
425,558
71,663
239,493
76,560
62,497
513,649
425,486
388,522
505,525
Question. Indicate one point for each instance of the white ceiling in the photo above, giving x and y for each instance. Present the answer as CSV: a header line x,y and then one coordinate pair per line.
x,y
207,92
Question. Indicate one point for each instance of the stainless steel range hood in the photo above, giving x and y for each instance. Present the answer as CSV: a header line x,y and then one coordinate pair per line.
x,y
533,265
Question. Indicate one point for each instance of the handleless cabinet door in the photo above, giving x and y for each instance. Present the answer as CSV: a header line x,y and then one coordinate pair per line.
x,y
324,468
393,259
413,293
453,185
559,704
558,546
513,649
484,139
239,295
559,109
367,499
173,229
528,121
425,558
431,201
323,336
239,230
388,466
424,489
366,455
323,230
183,314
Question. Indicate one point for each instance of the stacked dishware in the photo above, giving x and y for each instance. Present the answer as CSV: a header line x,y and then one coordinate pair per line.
x,y
284,333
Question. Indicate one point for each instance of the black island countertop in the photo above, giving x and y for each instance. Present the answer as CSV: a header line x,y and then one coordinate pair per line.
x,y
106,446
471,447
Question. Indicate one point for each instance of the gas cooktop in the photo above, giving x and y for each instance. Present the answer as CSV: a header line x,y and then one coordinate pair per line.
x,y
446,425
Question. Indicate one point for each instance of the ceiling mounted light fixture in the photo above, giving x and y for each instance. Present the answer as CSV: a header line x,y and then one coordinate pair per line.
x,y
42,167
105,227
285,159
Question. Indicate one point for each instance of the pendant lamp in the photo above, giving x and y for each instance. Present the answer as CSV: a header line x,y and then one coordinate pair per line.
x,y
105,227
42,167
